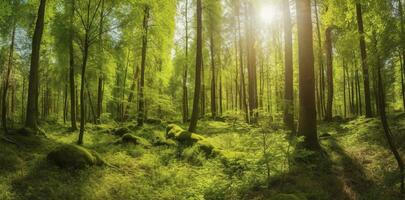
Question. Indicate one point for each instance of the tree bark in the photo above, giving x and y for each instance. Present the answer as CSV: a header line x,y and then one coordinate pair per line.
x,y
197,87
288,71
329,64
141,111
185,76
213,77
307,114
6,83
363,52
32,102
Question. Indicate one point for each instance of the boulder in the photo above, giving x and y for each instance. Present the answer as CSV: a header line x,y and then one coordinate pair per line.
x,y
74,157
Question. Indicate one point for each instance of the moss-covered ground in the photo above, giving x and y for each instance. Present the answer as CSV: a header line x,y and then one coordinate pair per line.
x,y
253,163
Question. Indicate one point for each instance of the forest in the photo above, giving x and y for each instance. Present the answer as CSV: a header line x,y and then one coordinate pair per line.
x,y
202,99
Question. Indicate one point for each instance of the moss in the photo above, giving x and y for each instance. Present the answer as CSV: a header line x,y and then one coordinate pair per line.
x,y
287,197
177,133
153,121
9,161
73,156
206,147
132,139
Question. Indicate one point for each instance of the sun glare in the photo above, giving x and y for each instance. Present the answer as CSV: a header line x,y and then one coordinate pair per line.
x,y
268,14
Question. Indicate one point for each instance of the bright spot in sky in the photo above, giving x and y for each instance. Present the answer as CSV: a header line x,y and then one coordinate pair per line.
x,y
269,14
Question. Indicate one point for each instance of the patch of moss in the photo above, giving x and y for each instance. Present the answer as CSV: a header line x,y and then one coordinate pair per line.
x,y
73,156
9,161
132,139
177,133
287,197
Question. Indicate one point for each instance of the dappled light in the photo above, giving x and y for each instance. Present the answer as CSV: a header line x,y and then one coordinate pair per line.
x,y
202,100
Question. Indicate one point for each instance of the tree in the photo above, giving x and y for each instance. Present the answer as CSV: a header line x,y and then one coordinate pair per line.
x,y
185,77
307,112
87,17
198,65
329,72
288,71
72,84
32,102
145,26
363,51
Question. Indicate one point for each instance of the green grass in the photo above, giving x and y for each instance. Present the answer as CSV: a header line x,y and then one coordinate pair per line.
x,y
356,164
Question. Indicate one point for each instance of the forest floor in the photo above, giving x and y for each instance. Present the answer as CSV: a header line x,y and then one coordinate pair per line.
x,y
356,164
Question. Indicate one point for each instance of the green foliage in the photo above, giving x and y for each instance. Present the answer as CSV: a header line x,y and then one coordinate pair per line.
x,y
74,157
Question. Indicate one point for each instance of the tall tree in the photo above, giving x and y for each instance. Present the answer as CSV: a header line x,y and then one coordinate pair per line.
x,y
329,72
72,84
185,76
198,65
363,51
145,26
33,87
288,71
307,114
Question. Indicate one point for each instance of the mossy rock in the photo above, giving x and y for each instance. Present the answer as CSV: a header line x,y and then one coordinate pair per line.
x,y
74,157
120,131
206,147
173,130
164,142
9,161
177,133
282,196
132,139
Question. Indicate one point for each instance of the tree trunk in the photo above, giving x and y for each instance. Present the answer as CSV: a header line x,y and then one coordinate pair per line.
x,y
73,98
213,81
321,66
6,83
289,71
185,89
387,130
363,52
195,113
329,64
32,102
82,103
242,92
141,111
251,58
307,114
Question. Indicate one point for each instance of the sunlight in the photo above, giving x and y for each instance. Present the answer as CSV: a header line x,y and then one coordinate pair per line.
x,y
269,14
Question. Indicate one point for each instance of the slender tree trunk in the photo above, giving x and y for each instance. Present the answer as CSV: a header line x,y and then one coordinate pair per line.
x,y
307,115
82,103
141,112
6,83
363,52
195,113
288,71
213,77
101,64
32,103
344,90
185,77
402,82
243,99
72,85
387,130
321,64
329,63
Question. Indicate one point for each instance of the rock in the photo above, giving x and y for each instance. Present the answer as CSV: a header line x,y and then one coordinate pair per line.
x,y
120,131
132,139
177,133
74,157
